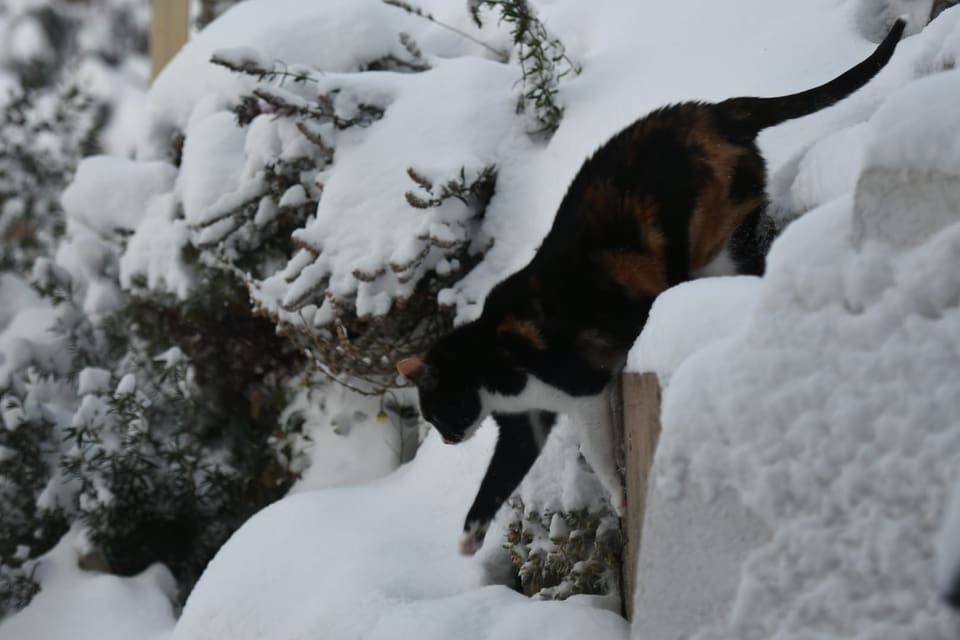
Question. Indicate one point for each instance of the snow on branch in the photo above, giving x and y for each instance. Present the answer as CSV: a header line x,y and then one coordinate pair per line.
x,y
543,59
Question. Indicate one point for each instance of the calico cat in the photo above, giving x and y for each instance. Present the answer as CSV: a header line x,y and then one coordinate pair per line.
x,y
653,207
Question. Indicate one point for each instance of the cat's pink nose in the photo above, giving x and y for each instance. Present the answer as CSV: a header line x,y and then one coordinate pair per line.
x,y
445,441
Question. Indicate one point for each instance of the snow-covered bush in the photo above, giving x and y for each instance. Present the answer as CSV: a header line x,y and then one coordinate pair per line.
x,y
45,40
542,57
324,198
560,554
147,419
47,125
43,135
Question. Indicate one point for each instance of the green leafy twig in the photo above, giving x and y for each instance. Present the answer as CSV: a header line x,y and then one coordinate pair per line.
x,y
543,59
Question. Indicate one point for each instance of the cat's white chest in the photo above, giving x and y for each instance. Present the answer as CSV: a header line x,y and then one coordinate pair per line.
x,y
536,395
591,416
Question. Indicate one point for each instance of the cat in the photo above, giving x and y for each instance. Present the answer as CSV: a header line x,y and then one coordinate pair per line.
x,y
676,191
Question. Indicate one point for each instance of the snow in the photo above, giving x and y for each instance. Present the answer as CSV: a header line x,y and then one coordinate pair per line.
x,y
123,87
828,439
109,193
903,137
17,296
126,386
25,339
289,31
87,605
388,568
689,317
154,251
480,93
28,43
346,443
212,161
93,380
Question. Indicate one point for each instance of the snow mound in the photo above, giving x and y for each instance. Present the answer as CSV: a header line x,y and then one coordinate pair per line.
x,y
374,561
909,127
87,605
689,317
109,193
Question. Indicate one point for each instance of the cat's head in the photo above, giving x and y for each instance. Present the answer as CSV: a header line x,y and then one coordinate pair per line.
x,y
456,377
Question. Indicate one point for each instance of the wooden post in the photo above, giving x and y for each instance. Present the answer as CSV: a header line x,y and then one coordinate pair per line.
x,y
168,31
641,431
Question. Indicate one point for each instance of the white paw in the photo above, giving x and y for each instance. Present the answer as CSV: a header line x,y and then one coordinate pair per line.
x,y
468,544
472,538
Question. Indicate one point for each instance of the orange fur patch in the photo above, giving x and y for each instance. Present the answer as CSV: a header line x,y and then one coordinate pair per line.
x,y
715,217
525,329
642,274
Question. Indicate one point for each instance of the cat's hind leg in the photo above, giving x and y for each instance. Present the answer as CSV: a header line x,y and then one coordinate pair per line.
x,y
521,436
600,445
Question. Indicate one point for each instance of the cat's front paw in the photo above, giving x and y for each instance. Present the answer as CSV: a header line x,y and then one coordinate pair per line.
x,y
472,538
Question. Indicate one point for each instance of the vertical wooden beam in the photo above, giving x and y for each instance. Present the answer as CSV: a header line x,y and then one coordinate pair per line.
x,y
168,31
641,431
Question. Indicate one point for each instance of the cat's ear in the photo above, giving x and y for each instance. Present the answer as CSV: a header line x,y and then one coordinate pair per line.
x,y
418,372
411,368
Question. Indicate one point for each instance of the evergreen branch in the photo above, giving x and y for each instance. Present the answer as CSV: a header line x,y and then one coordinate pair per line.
x,y
255,67
502,56
285,104
543,59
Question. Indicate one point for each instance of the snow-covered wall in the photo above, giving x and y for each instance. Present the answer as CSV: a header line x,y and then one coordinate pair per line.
x,y
812,432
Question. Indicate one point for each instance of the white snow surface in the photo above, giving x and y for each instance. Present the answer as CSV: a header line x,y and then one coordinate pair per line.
x,y
110,193
689,317
376,561
87,605
909,129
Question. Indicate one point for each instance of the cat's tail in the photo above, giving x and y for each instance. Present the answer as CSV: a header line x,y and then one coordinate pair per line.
x,y
754,114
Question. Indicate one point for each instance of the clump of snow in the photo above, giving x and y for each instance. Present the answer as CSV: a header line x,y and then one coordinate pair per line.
x,y
127,385
346,439
88,605
155,251
27,339
93,380
212,161
109,194
560,480
908,129
17,296
689,317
